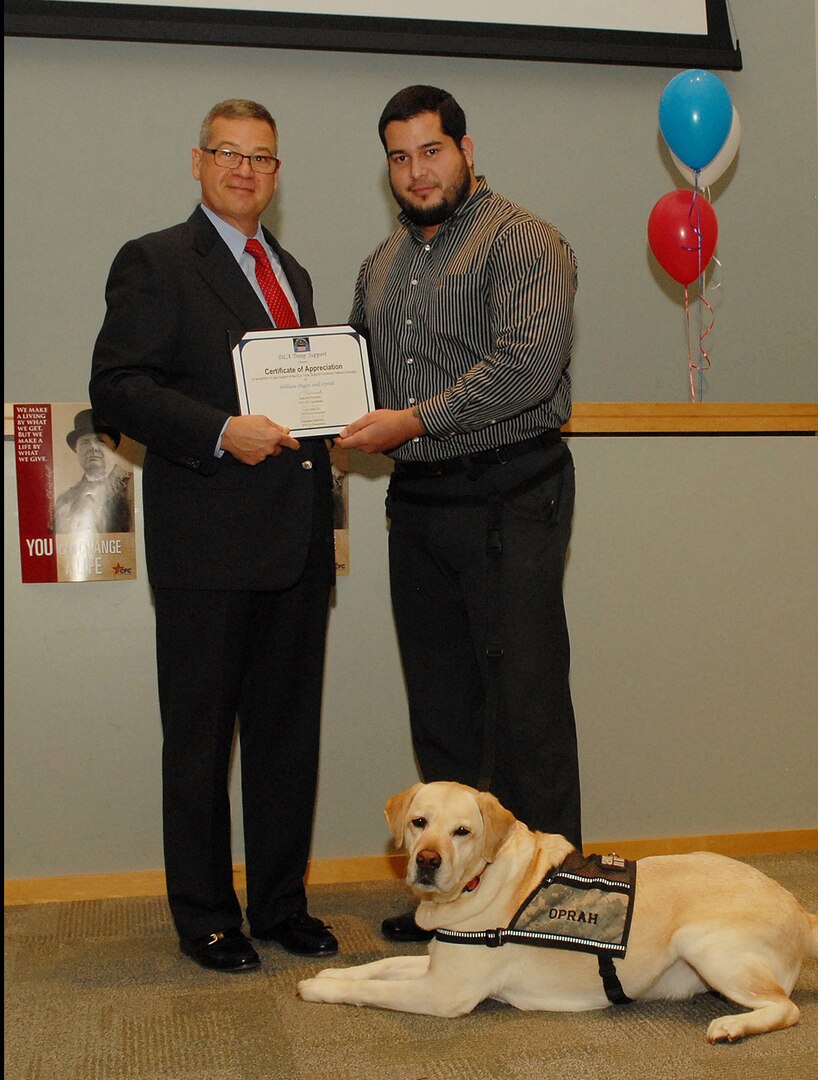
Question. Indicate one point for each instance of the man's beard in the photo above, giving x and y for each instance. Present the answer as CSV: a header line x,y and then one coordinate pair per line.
x,y
453,196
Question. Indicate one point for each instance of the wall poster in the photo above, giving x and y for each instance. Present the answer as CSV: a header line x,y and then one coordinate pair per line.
x,y
75,495
339,460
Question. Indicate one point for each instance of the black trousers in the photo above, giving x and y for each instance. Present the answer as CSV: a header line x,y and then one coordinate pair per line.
x,y
446,618
256,660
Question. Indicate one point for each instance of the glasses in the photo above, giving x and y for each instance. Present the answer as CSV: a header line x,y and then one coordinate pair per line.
x,y
232,159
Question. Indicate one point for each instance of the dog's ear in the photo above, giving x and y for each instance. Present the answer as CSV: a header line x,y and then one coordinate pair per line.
x,y
497,823
396,810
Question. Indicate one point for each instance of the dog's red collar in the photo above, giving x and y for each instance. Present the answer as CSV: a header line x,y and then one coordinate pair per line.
x,y
470,886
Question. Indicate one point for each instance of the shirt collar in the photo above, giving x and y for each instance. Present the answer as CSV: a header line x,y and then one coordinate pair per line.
x,y
233,237
466,209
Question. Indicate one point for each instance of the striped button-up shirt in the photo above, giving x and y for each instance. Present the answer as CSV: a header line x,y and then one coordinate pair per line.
x,y
473,327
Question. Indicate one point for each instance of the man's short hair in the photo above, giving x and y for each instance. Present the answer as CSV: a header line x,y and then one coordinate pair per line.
x,y
413,100
235,109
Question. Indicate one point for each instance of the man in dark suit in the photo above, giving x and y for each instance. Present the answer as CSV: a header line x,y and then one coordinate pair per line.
x,y
239,545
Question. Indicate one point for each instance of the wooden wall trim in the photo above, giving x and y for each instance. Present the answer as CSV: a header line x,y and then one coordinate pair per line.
x,y
671,418
392,867
662,418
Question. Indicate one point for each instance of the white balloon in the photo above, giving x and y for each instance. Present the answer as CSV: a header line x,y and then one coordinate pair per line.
x,y
710,172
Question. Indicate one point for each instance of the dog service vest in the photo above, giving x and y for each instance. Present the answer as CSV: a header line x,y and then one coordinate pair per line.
x,y
586,904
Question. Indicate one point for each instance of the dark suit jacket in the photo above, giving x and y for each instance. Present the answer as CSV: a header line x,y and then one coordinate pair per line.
x,y
162,372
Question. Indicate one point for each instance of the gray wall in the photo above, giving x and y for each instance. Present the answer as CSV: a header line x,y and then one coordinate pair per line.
x,y
101,135
691,580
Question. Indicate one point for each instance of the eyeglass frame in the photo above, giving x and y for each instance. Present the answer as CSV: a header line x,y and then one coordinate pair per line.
x,y
226,150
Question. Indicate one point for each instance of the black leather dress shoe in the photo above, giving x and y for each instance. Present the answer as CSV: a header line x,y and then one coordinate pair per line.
x,y
223,950
402,928
301,934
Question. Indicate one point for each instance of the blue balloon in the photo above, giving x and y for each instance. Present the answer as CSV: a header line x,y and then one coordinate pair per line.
x,y
695,114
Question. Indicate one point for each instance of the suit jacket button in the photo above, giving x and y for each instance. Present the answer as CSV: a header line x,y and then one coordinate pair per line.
x,y
306,464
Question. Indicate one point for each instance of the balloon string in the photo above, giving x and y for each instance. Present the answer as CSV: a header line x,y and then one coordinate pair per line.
x,y
715,284
690,364
696,370
704,362
700,279
696,227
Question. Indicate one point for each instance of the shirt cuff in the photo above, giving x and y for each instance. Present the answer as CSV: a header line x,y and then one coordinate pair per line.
x,y
437,418
218,452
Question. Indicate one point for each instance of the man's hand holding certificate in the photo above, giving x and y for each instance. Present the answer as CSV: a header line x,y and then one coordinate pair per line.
x,y
312,380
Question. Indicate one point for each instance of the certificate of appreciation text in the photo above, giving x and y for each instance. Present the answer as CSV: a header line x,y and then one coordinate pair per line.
x,y
314,380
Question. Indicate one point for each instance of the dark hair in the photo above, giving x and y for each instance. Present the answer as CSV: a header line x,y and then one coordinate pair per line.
x,y
413,100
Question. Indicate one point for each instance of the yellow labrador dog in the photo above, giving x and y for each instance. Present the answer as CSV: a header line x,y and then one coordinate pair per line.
x,y
698,922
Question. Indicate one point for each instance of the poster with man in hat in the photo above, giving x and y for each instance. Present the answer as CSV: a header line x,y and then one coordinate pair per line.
x,y
101,501
74,494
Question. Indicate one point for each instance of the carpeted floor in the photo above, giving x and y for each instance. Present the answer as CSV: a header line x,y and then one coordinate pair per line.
x,y
97,990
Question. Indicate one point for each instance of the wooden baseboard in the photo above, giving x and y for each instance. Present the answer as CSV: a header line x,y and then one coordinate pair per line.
x,y
152,882
733,844
392,867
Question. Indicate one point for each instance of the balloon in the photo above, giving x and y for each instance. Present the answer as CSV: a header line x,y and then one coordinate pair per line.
x,y
682,233
695,114
720,163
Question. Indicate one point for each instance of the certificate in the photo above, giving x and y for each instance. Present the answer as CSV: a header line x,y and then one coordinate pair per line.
x,y
314,380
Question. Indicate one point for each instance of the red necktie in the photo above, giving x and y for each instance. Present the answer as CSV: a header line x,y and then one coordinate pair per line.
x,y
277,302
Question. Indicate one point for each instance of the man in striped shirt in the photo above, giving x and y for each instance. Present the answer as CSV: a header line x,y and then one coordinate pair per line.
x,y
468,311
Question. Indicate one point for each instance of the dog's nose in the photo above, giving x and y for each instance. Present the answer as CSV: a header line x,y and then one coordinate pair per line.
x,y
427,859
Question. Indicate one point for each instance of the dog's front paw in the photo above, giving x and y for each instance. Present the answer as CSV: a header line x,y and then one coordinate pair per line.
x,y
310,989
727,1029
321,989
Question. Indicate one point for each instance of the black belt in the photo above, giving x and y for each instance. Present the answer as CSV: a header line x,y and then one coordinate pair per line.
x,y
477,463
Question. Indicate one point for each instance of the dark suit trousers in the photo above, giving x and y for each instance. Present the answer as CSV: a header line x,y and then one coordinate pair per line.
x,y
442,600
255,657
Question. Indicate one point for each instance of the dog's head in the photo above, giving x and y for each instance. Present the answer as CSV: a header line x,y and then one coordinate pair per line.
x,y
450,832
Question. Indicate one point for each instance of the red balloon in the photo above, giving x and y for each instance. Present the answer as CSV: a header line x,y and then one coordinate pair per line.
x,y
682,233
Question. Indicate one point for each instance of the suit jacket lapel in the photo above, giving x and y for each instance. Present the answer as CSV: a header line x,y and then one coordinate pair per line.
x,y
224,275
